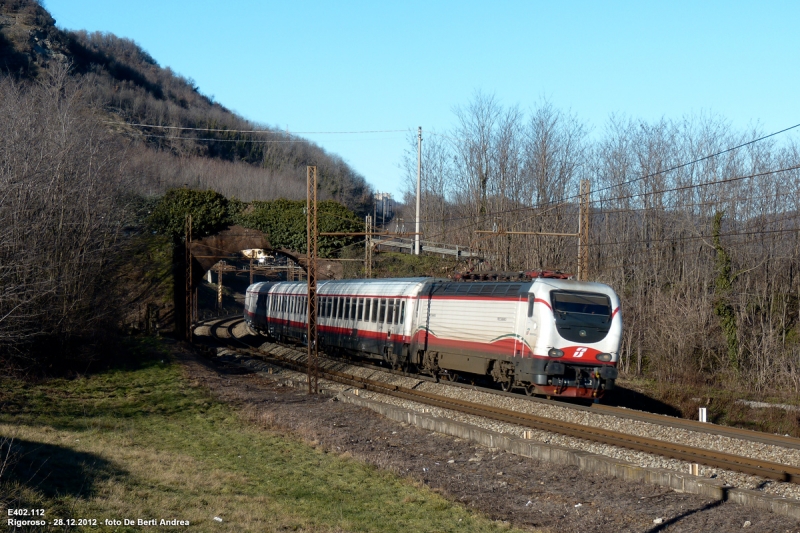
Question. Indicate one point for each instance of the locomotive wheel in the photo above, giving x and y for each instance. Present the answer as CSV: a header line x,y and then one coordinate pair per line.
x,y
530,390
506,386
450,376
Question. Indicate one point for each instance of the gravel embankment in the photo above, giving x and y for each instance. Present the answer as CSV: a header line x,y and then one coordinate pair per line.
x,y
564,413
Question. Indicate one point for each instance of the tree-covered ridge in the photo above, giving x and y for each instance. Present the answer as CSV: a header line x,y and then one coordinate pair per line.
x,y
129,85
284,221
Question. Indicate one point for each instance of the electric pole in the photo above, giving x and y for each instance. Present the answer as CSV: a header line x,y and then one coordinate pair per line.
x,y
368,249
311,270
188,276
419,187
583,233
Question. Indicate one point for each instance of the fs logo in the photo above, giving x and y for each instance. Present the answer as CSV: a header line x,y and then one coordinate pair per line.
x,y
580,352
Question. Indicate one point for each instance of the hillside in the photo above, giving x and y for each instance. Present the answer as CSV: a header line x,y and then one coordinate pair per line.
x,y
121,80
79,178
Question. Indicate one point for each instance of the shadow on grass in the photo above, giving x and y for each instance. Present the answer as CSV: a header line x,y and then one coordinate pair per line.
x,y
54,471
622,397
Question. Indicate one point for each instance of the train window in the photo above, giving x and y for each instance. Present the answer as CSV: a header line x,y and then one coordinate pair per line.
x,y
488,289
322,302
531,300
360,310
464,288
366,309
374,310
353,308
389,311
346,308
328,307
402,312
381,311
340,308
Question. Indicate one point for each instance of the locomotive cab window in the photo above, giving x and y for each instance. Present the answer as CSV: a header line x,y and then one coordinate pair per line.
x,y
583,303
583,317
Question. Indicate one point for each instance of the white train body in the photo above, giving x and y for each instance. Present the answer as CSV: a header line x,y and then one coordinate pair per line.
x,y
549,336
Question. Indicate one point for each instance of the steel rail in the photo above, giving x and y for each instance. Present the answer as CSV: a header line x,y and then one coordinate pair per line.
x,y
782,441
714,459
711,458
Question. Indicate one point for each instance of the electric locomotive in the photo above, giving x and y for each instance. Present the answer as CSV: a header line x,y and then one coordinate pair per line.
x,y
555,337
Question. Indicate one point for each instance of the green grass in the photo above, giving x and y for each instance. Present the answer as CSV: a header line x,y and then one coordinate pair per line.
x,y
143,443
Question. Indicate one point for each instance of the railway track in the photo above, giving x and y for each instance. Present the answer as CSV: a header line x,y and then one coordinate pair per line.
x,y
712,458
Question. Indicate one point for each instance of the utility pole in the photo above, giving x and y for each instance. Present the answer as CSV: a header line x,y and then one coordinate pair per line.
x,y
583,233
219,285
188,276
419,187
368,249
311,270
251,271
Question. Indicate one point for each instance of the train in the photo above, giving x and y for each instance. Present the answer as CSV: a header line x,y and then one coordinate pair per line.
x,y
549,336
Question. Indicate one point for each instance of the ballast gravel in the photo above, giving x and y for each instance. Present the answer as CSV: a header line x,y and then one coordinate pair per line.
x,y
634,427
522,492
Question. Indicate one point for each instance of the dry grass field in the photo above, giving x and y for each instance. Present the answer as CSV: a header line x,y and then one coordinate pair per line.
x,y
144,443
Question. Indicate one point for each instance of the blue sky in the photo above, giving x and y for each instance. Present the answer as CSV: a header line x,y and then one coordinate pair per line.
x,y
350,66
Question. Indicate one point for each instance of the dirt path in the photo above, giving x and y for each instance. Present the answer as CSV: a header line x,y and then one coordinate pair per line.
x,y
525,492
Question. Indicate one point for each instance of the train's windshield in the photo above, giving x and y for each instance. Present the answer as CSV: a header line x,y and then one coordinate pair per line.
x,y
584,303
583,317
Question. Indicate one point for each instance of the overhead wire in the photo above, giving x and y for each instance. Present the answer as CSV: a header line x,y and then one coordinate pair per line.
x,y
270,132
634,180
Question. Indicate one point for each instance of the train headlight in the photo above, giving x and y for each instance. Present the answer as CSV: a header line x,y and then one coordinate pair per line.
x,y
605,357
555,352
